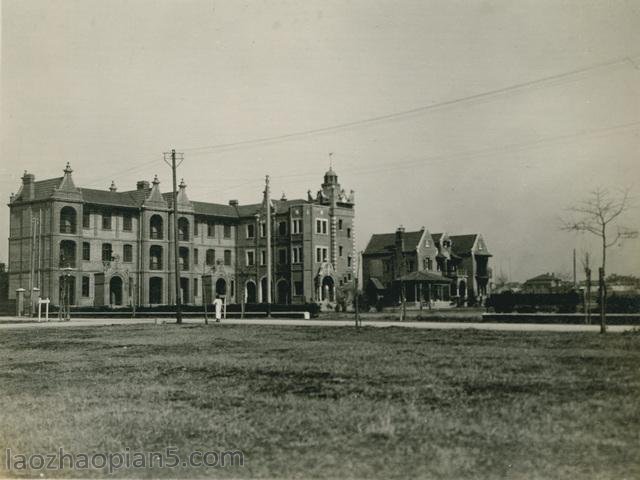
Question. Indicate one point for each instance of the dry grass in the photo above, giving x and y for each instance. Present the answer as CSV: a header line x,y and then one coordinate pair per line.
x,y
328,402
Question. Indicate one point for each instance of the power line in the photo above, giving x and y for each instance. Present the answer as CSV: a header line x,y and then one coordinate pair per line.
x,y
390,166
545,81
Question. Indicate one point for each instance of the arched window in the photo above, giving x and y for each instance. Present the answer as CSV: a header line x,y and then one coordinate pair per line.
x,y
155,258
250,293
68,220
156,227
67,254
183,229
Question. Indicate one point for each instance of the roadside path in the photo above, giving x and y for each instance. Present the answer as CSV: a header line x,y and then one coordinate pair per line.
x,y
9,323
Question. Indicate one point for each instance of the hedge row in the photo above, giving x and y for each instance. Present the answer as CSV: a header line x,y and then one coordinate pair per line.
x,y
508,302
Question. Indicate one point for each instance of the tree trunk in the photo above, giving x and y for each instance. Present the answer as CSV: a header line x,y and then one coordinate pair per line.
x,y
601,282
602,298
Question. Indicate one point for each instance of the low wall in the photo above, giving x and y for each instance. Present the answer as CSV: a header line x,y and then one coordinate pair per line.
x,y
566,318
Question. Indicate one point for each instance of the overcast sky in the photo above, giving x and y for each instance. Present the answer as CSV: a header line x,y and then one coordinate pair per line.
x,y
110,85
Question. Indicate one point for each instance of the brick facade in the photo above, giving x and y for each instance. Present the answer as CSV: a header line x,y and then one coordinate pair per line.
x,y
115,248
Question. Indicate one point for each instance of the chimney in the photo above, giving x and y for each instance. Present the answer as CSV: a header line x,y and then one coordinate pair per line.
x,y
142,185
233,203
28,187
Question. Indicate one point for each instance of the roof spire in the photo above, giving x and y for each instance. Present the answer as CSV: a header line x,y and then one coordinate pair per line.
x,y
67,169
112,187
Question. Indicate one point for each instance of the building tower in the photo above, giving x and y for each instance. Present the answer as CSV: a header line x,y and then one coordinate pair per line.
x,y
331,190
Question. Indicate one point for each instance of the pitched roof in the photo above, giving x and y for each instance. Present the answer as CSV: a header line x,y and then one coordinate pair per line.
x,y
280,206
42,188
463,244
214,209
118,199
436,237
545,277
385,242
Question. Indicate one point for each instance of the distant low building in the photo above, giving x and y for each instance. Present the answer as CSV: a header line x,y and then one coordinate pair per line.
x,y
623,284
546,283
514,287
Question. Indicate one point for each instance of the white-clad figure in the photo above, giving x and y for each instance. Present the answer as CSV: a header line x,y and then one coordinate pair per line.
x,y
217,303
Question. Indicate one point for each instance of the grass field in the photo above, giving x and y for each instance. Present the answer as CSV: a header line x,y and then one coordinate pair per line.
x,y
328,402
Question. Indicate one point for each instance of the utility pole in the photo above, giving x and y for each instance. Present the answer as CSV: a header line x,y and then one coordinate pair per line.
x,y
174,197
267,201
587,306
32,260
575,282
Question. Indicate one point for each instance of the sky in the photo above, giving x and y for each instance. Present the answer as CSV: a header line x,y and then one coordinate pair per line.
x,y
110,85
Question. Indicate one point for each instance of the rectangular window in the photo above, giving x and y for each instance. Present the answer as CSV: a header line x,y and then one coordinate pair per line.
x,y
349,276
282,229
227,231
322,254
195,227
86,251
183,258
282,256
126,222
340,250
263,229
298,288
196,293
296,226
86,218
211,229
251,258
227,258
339,224
107,252
106,221
195,256
210,257
263,257
251,230
296,254
348,261
127,253
322,226
348,233
85,285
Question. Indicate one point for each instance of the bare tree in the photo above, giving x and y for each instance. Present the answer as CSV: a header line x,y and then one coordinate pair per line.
x,y
597,214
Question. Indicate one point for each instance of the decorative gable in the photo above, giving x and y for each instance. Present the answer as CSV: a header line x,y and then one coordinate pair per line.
x,y
155,200
67,190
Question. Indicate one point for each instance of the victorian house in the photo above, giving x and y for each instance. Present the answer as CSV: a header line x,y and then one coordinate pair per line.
x,y
419,265
113,248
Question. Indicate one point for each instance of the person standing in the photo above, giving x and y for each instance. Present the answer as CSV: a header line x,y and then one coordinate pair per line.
x,y
217,304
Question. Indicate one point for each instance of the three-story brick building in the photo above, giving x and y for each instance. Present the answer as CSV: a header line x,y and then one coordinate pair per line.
x,y
105,247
